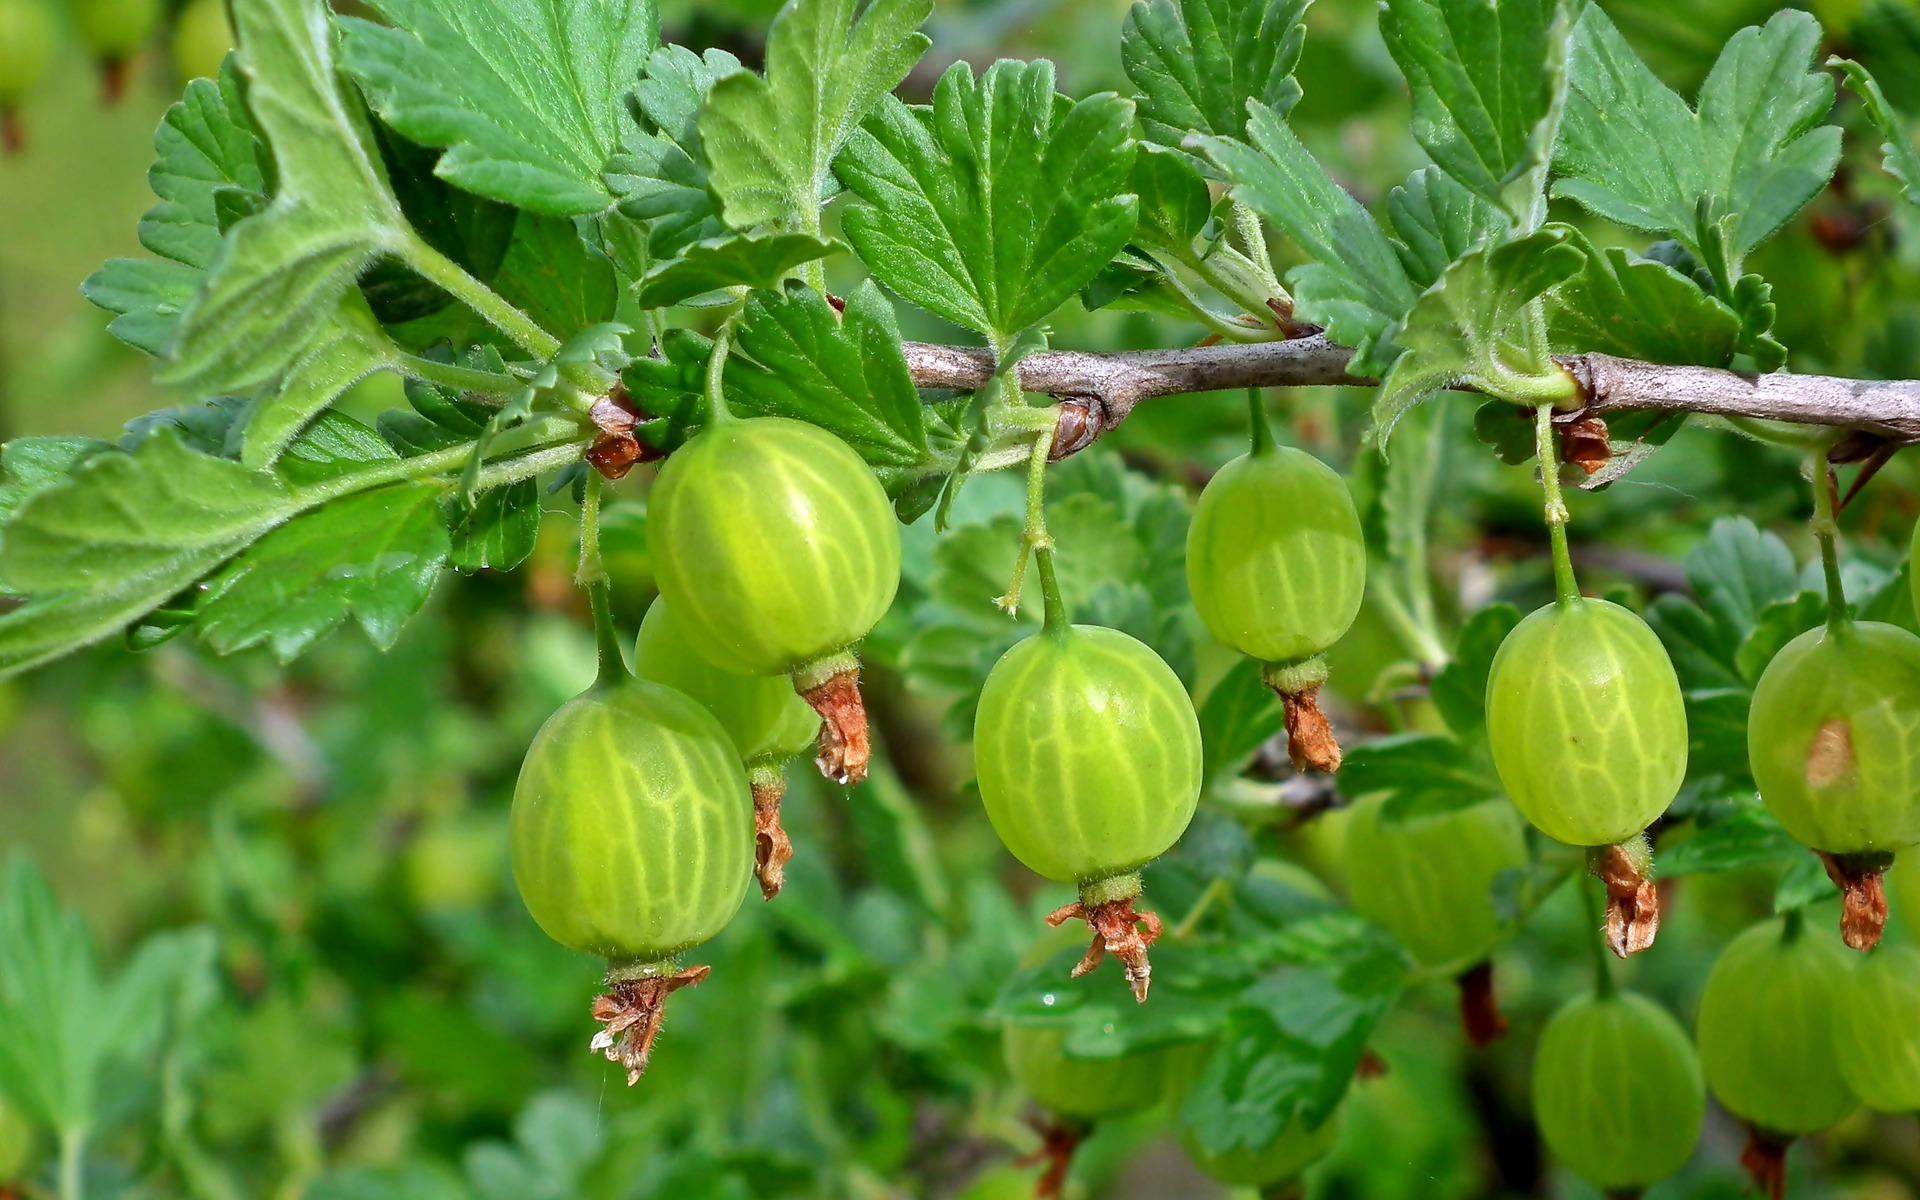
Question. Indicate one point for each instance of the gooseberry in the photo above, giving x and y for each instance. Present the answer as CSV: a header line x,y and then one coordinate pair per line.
x,y
1875,1035
1088,755
113,30
26,48
1766,1037
767,722
1586,722
778,551
201,39
1277,565
1833,738
631,839
1617,1090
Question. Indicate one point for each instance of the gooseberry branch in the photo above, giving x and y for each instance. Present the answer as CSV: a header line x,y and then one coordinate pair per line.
x,y
1099,389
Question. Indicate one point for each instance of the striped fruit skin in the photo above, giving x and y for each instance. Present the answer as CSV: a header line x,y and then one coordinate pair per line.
x,y
1275,560
632,826
1834,738
1876,1037
1617,1090
1296,1149
774,544
1429,879
1088,753
1588,729
1766,1029
762,714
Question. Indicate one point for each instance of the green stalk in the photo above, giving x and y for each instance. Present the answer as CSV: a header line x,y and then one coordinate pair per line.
x,y
1257,414
1033,533
437,268
73,1147
458,378
1053,606
1602,969
1566,588
591,570
562,432
613,660
716,372
1826,530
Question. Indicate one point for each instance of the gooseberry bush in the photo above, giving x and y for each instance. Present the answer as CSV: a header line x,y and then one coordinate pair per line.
x,y
1134,465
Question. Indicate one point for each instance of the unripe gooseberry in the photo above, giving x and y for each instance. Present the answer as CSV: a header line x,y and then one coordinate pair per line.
x,y
1618,1092
1766,1029
1276,563
1876,1035
1088,755
778,552
1586,722
26,49
767,721
632,839
201,39
1429,878
114,30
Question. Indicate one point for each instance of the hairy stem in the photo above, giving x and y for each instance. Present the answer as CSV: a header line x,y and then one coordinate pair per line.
x,y
1547,445
1033,534
591,571
1826,530
437,268
458,378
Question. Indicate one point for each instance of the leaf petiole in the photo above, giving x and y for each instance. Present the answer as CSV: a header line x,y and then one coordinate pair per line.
x,y
435,267
1566,588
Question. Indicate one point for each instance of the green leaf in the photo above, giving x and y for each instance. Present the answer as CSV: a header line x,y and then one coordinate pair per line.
x,y
1747,836
499,531
772,141
1196,63
1754,151
123,516
751,260
555,277
1459,689
1777,624
346,349
660,174
1639,308
1487,81
998,203
205,145
279,274
1804,882
373,556
471,230
1239,714
527,97
1471,328
793,356
1174,204
29,466
1356,286
1737,571
1901,160
1425,774
1435,220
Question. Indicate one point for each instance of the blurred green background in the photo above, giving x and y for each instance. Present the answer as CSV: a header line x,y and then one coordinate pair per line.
x,y
366,1012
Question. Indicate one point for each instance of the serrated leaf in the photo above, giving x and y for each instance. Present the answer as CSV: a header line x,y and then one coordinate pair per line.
x,y
1174,204
346,349
1748,836
373,556
998,203
1774,626
1900,158
1423,773
1239,714
751,260
1701,651
1356,286
278,274
1459,689
526,96
555,277
29,466
471,230
1754,151
334,445
794,357
1804,882
499,531
771,142
1737,570
1196,63
1471,327
1435,220
1639,308
660,174
1487,81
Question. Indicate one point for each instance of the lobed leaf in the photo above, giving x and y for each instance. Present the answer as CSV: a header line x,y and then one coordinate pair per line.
x,y
1900,158
660,173
1639,308
772,141
1196,63
527,97
749,260
998,203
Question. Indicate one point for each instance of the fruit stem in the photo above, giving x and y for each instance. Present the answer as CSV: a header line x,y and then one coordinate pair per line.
x,y
1602,969
1033,534
452,278
1051,604
613,660
716,372
1566,588
1826,530
591,569
1262,432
